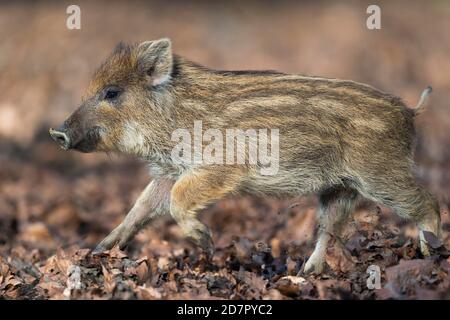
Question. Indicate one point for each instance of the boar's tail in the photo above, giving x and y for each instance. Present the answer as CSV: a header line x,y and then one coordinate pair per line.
x,y
424,98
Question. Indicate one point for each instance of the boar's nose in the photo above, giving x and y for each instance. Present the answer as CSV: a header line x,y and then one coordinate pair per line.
x,y
60,136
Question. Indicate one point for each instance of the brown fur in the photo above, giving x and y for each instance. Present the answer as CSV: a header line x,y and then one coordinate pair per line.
x,y
338,138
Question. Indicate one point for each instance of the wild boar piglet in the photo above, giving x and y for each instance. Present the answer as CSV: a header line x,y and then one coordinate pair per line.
x,y
207,134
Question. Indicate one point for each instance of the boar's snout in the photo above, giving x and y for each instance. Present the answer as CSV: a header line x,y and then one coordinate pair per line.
x,y
76,137
61,136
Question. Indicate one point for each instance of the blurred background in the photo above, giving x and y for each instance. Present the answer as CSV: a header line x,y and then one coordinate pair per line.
x,y
50,198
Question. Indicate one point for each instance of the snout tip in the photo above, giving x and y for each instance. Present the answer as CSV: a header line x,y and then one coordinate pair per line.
x,y
60,137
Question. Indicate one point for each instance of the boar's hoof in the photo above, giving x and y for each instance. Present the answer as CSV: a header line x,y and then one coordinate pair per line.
x,y
206,244
209,253
314,266
424,244
119,236
98,249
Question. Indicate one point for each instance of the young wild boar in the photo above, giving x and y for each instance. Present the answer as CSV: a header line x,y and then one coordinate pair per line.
x,y
337,138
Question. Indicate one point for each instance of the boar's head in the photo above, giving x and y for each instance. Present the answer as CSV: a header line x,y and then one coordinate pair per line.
x,y
127,102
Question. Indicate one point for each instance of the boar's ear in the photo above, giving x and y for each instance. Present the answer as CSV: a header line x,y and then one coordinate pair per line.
x,y
155,59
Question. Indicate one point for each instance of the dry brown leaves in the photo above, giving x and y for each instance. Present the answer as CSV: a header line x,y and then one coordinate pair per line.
x,y
244,270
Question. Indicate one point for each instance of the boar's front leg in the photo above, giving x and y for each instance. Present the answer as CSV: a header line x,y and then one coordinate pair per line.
x,y
153,201
192,193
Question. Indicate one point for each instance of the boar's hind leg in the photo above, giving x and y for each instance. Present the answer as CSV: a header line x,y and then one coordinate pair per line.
x,y
409,201
335,206
192,193
153,201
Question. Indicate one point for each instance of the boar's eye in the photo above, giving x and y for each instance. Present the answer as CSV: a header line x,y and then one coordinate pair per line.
x,y
111,93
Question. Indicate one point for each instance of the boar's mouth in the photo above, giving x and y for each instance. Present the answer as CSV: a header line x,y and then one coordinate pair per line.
x,y
87,142
80,142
